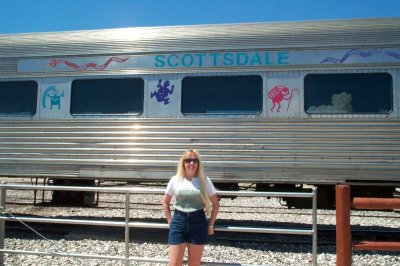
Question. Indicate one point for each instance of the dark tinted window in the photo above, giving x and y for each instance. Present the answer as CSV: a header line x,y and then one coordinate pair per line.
x,y
222,95
348,93
107,96
18,97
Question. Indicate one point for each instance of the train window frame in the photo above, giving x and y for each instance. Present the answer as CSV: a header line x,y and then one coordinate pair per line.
x,y
139,101
346,101
20,98
217,78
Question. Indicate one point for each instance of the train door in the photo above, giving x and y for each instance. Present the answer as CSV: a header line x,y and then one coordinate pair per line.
x,y
163,94
54,95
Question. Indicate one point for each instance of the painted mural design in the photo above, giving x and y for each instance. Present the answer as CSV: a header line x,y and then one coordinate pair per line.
x,y
54,62
361,53
55,97
278,94
163,91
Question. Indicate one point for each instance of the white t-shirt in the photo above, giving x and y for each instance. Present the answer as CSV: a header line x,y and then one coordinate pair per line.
x,y
187,193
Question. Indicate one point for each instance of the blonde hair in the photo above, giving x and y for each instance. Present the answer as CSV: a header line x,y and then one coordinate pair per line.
x,y
180,173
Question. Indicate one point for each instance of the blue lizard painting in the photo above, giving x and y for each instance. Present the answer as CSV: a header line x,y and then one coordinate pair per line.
x,y
163,92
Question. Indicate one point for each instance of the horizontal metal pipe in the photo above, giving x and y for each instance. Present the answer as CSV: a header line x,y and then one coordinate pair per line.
x,y
376,245
264,230
266,194
375,203
83,256
89,189
148,225
154,191
221,228
63,221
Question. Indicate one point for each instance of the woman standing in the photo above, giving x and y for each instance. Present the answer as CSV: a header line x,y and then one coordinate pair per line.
x,y
194,193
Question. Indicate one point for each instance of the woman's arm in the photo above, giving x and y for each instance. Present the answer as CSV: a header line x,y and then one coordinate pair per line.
x,y
167,211
214,213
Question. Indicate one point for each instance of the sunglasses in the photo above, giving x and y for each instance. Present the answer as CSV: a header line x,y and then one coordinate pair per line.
x,y
192,160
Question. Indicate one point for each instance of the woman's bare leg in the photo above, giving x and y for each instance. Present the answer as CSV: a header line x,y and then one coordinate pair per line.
x,y
195,252
176,253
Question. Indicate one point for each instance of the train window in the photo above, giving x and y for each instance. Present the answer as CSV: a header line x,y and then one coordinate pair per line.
x,y
348,93
107,96
222,95
18,97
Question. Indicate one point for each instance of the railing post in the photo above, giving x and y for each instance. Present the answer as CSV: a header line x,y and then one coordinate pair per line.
x,y
314,226
343,230
2,222
127,199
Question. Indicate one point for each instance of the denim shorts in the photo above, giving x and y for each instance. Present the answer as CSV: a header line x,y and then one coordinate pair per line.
x,y
188,228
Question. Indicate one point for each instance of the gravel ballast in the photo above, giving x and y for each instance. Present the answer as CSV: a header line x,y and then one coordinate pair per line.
x,y
242,211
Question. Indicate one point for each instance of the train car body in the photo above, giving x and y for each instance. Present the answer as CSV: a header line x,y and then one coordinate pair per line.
x,y
270,103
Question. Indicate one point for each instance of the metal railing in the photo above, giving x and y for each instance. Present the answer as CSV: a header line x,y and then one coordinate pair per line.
x,y
344,242
127,224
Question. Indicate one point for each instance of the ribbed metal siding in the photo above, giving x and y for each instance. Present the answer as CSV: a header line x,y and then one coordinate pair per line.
x,y
358,33
295,151
304,35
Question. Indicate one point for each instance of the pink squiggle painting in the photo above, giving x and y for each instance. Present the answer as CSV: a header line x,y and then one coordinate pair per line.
x,y
54,62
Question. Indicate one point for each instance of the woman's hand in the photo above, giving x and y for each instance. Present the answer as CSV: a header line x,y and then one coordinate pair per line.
x,y
210,230
214,212
167,211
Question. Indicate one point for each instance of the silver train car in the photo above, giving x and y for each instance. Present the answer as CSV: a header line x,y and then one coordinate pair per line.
x,y
279,105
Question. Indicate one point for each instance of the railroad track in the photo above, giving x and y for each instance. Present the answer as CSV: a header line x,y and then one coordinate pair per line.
x,y
326,236
245,213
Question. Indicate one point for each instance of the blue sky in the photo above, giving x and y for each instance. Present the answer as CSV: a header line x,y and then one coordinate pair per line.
x,y
22,16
